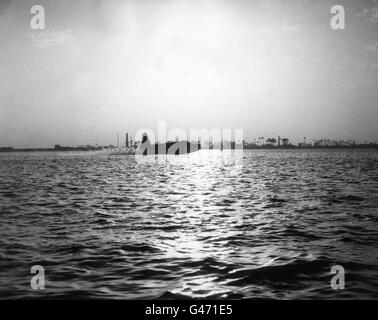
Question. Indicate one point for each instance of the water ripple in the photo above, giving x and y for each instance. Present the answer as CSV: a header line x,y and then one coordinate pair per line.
x,y
112,227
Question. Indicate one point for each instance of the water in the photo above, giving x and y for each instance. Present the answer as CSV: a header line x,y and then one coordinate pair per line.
x,y
190,226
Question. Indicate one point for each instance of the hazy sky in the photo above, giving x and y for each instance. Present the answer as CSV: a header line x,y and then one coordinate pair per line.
x,y
268,67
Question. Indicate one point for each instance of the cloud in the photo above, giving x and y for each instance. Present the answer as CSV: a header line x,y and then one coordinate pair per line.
x,y
374,15
4,4
370,14
349,62
289,28
45,39
373,47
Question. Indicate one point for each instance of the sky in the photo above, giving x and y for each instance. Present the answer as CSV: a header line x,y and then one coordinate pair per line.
x,y
268,67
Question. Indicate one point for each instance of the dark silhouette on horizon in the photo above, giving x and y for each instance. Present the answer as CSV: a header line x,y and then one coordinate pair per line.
x,y
173,148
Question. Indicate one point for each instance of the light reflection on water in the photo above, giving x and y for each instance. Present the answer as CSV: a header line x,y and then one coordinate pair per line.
x,y
258,224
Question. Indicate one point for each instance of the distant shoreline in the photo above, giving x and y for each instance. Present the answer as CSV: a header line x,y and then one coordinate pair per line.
x,y
247,147
293,147
46,149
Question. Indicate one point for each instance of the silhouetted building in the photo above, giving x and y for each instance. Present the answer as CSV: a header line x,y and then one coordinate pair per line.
x,y
271,142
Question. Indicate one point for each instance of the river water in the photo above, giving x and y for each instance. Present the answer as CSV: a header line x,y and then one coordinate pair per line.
x,y
270,225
